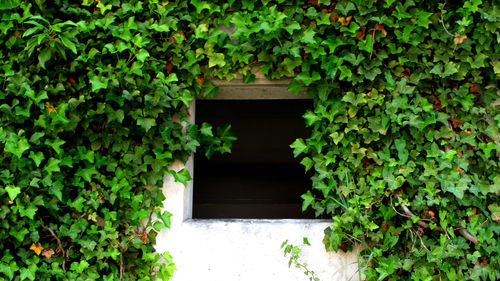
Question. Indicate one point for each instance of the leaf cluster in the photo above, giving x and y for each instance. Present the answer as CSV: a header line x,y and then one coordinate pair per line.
x,y
404,143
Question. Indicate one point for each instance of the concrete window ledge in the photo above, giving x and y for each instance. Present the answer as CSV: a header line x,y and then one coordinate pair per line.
x,y
243,249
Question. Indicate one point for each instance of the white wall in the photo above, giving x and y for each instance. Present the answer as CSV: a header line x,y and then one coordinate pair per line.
x,y
218,250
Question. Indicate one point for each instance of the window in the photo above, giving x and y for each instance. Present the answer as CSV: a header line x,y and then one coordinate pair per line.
x,y
260,178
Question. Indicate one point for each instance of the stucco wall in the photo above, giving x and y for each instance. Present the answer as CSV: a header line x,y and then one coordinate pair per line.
x,y
234,250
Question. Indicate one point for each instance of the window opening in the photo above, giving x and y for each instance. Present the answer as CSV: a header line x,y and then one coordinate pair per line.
x,y
260,178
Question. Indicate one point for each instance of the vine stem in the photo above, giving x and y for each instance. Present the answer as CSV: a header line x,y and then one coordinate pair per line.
x,y
442,23
59,246
467,235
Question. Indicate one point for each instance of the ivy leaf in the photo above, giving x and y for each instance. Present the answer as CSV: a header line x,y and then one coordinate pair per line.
x,y
9,269
495,211
16,145
56,191
308,198
77,203
19,235
307,163
37,248
13,191
97,82
206,129
52,165
311,118
449,69
29,272
86,173
496,66
336,137
146,123
294,87
291,27
345,7
366,44
165,217
44,56
307,79
423,18
308,36
298,147
401,148
182,176
216,59
28,211
142,55
200,5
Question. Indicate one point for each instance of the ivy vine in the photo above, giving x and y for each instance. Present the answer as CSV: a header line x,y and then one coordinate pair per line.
x,y
404,143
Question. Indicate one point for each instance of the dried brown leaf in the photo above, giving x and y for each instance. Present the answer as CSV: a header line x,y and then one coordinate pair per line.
x,y
381,28
47,253
460,39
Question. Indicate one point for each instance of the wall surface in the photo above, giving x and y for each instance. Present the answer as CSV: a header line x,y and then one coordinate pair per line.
x,y
218,250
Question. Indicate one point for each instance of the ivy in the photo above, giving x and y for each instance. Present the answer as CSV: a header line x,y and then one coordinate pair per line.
x,y
404,131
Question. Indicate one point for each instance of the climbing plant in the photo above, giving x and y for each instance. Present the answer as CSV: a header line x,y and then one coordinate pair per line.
x,y
404,143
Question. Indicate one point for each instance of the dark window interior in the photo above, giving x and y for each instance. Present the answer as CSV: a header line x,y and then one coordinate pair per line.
x,y
260,178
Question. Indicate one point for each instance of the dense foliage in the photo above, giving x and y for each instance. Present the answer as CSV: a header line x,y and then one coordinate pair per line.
x,y
404,143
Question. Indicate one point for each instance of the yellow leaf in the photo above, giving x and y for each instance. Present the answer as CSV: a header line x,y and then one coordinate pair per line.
x,y
50,107
345,21
37,248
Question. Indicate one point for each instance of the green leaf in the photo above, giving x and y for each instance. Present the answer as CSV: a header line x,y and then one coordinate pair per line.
x,y
68,43
496,66
29,272
142,55
200,5
308,36
9,269
56,190
291,27
366,44
19,235
182,176
165,217
294,87
495,211
97,82
298,147
13,191
307,163
216,59
52,165
44,56
401,148
16,145
28,211
146,123
308,198
345,7
77,203
306,78
206,129
336,137
423,18
449,69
